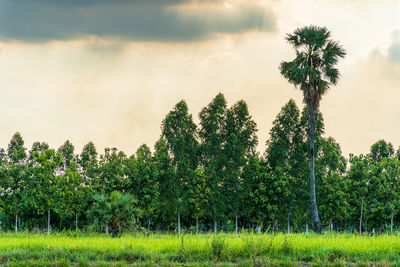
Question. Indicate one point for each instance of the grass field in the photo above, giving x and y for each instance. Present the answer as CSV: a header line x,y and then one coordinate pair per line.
x,y
27,249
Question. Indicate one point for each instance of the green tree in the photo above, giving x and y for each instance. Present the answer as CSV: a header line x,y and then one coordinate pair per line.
x,y
313,70
165,176
3,178
143,182
213,156
333,191
116,210
258,200
359,185
67,153
70,182
384,184
45,182
180,133
16,171
390,195
16,150
241,141
39,147
88,163
75,190
281,161
198,193
381,150
112,171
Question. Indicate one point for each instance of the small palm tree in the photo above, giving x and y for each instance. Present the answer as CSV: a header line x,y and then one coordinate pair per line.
x,y
116,211
313,71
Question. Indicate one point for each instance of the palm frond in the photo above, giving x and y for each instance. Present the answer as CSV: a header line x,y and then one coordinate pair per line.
x,y
332,52
332,74
116,210
293,39
313,69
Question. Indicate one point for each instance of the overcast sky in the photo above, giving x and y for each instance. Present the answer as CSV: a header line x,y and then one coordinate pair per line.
x,y
109,71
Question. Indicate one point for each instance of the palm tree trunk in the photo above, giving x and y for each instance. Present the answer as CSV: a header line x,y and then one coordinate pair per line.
x,y
316,221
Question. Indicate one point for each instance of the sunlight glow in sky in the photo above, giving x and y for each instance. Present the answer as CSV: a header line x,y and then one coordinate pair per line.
x,y
88,70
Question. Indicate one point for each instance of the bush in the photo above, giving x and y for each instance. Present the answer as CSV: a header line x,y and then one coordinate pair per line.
x,y
217,246
116,211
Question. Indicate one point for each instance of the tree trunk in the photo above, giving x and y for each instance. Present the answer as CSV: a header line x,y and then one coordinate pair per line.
x,y
76,221
275,226
107,229
236,223
179,223
331,224
306,221
197,224
215,227
316,221
179,219
361,214
16,223
148,225
391,223
48,221
288,223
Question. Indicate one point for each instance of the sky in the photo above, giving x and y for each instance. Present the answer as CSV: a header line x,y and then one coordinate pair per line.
x,y
109,71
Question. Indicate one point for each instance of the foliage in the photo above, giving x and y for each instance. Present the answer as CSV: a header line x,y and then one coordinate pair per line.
x,y
205,174
116,211
314,71
180,133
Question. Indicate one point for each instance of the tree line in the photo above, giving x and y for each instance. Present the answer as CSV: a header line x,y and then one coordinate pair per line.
x,y
207,177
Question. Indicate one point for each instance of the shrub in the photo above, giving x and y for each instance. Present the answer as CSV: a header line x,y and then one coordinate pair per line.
x,y
116,211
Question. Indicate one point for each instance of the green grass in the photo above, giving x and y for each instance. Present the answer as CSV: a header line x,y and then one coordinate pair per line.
x,y
199,250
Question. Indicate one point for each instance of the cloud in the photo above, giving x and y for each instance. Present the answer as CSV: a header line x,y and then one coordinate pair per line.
x,y
394,48
385,61
394,52
390,54
134,20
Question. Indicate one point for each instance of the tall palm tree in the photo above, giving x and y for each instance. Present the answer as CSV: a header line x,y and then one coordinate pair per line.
x,y
313,71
